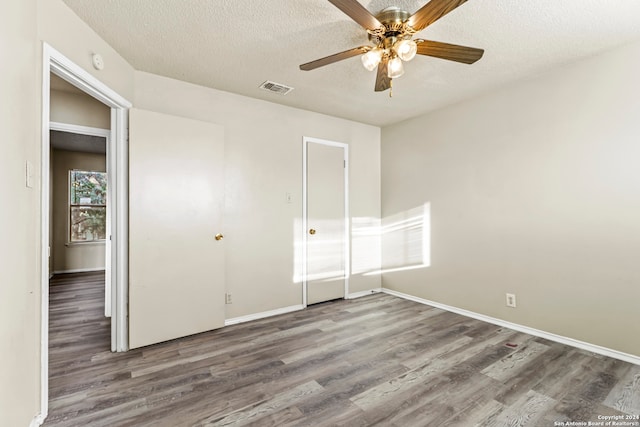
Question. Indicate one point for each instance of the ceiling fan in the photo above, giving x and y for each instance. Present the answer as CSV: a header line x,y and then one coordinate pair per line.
x,y
391,33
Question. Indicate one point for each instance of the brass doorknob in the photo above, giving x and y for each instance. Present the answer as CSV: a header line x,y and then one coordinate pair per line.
x,y
312,231
219,236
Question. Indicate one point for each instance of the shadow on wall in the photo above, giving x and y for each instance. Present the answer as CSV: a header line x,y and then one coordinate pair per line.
x,y
405,238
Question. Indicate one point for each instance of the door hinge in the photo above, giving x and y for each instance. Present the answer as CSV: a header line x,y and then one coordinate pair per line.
x,y
344,164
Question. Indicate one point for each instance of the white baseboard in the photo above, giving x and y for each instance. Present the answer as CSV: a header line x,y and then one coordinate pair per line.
x,y
593,348
78,270
363,293
262,315
284,310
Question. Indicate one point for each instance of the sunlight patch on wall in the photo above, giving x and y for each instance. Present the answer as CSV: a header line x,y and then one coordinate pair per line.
x,y
366,252
396,243
406,240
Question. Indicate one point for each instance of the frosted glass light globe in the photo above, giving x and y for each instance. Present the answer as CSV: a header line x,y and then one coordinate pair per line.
x,y
395,68
406,49
371,59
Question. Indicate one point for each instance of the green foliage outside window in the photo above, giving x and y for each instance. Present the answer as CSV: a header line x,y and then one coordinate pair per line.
x,y
87,207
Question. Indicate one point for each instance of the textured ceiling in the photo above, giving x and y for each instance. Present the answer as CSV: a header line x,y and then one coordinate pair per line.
x,y
77,142
235,45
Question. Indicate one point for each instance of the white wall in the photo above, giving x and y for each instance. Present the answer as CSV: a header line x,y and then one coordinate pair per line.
x,y
263,162
84,256
535,190
19,215
79,109
61,28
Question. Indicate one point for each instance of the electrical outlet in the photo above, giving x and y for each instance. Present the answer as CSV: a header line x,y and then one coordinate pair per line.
x,y
227,299
511,300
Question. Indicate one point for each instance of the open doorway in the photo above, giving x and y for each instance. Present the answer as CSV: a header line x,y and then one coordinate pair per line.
x,y
116,162
80,224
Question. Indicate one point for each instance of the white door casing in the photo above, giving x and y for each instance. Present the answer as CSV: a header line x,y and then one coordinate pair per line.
x,y
176,273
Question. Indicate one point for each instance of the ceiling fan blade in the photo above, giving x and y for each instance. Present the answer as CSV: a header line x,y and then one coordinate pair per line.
x,y
334,58
452,52
431,12
358,13
383,82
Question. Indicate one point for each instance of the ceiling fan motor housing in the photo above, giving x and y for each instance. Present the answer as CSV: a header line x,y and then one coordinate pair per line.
x,y
393,19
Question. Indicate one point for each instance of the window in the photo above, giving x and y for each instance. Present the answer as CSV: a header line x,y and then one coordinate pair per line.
x,y
87,206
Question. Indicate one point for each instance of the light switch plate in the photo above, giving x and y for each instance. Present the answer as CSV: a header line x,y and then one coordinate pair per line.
x,y
29,174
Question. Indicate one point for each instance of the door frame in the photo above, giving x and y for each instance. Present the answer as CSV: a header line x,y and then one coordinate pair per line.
x,y
55,62
347,242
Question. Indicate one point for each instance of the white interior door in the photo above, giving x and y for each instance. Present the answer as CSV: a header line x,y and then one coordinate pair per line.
x,y
176,192
326,249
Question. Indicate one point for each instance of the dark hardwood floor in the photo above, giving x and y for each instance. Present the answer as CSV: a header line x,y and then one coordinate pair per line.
x,y
377,360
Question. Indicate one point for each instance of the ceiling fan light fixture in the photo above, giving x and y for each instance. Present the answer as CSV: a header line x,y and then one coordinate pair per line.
x,y
406,49
390,33
395,68
371,59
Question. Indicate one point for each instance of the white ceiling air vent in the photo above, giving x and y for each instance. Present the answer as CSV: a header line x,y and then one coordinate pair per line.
x,y
276,87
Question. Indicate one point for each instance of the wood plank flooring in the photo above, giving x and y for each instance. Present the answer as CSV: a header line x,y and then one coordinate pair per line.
x,y
376,360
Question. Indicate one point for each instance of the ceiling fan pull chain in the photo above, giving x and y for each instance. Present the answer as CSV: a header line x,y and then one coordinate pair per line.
x,y
390,88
